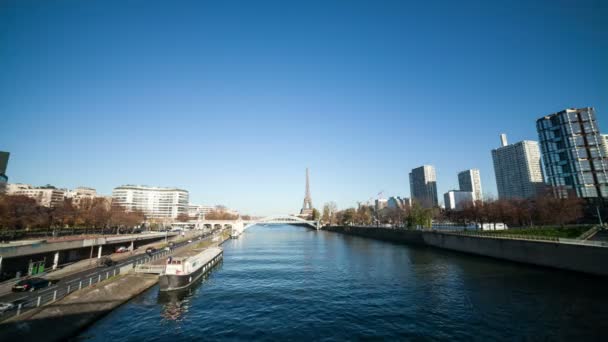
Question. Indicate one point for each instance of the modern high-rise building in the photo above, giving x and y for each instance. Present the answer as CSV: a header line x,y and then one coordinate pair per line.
x,y
423,186
161,203
517,169
470,180
457,199
605,144
574,153
3,165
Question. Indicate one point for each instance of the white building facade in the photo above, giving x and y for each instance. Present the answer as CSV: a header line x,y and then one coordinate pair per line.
x,y
81,193
395,202
457,199
45,196
154,202
470,180
518,169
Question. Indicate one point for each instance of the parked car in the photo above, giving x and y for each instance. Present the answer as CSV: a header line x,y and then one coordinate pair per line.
x,y
122,249
105,262
150,250
30,284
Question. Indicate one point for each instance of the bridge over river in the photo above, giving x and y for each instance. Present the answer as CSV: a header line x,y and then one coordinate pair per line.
x,y
239,225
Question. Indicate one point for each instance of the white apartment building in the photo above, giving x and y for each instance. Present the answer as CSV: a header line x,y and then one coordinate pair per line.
x,y
44,196
198,211
457,199
517,168
470,180
81,193
154,202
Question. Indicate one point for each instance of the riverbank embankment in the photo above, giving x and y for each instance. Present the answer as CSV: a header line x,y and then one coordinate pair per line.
x,y
554,254
380,233
68,316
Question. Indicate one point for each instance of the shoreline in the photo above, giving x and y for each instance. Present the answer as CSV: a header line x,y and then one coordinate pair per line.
x,y
68,317
587,259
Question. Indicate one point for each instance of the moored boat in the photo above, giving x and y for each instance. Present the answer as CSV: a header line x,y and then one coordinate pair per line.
x,y
182,271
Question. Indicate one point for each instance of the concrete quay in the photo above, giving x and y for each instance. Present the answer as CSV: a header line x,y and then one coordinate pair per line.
x,y
582,258
413,237
66,317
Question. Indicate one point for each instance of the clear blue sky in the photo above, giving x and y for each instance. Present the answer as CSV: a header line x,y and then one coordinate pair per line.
x,y
232,100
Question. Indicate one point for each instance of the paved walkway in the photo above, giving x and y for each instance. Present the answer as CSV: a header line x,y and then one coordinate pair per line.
x,y
66,317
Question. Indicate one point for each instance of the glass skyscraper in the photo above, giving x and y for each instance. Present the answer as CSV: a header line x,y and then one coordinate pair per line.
x,y
574,153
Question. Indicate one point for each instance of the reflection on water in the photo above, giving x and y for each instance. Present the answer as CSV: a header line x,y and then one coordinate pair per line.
x,y
176,303
286,283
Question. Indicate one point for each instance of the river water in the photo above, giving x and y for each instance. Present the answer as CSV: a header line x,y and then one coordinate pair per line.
x,y
293,283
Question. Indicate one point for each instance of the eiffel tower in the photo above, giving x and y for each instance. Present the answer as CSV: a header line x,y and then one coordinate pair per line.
x,y
307,206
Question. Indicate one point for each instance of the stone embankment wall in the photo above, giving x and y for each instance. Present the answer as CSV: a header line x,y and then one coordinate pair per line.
x,y
579,258
379,233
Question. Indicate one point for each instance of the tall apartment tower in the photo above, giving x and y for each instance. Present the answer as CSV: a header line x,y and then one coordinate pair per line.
x,y
517,169
423,186
574,153
470,180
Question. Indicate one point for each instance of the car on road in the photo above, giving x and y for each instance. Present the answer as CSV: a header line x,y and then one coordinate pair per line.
x,y
150,250
30,284
4,307
122,249
105,262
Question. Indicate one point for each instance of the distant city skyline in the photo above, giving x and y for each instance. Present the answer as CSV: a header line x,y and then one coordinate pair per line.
x,y
232,103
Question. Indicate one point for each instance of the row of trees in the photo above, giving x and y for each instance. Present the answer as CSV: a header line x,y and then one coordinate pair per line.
x,y
543,210
22,212
364,215
213,215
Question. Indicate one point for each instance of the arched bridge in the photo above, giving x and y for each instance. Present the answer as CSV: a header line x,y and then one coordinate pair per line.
x,y
238,226
282,219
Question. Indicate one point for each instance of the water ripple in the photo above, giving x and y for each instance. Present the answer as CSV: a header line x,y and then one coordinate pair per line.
x,y
288,283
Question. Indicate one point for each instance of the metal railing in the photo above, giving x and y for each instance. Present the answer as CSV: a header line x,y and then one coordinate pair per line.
x,y
150,269
589,233
527,237
55,292
500,236
584,242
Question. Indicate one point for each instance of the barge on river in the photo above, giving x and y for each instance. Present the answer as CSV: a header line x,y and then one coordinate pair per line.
x,y
182,271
